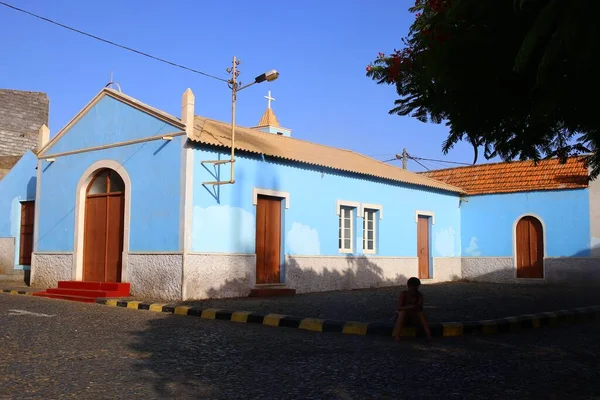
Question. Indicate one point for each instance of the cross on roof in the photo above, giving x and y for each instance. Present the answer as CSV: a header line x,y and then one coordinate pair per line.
x,y
268,97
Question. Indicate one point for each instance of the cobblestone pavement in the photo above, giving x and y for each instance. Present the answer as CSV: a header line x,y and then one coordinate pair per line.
x,y
446,302
53,349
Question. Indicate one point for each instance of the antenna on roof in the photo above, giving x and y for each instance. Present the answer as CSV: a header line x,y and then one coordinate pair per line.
x,y
113,83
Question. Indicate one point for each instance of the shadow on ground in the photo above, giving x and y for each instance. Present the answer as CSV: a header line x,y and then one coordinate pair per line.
x,y
186,357
444,302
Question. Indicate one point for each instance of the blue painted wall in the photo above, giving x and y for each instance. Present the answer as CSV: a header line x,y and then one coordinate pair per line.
x,y
153,167
110,121
487,222
16,186
225,221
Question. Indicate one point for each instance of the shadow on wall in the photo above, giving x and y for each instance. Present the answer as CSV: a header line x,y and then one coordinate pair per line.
x,y
579,269
358,273
31,188
351,273
235,287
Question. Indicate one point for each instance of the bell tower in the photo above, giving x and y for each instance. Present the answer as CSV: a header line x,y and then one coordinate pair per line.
x,y
268,122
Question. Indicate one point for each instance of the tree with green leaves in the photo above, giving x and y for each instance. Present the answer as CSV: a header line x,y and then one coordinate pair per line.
x,y
518,78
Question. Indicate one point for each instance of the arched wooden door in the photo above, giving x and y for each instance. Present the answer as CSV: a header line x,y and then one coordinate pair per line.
x,y
103,227
530,248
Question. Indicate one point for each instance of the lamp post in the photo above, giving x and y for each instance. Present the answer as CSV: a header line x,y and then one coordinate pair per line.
x,y
235,87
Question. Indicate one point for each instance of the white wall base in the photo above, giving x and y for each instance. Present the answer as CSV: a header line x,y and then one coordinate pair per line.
x,y
155,275
560,270
573,270
315,274
49,268
488,269
7,254
214,275
445,269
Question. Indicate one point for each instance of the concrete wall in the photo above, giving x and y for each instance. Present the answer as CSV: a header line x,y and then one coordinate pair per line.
x,y
224,223
154,171
594,200
21,116
488,235
18,185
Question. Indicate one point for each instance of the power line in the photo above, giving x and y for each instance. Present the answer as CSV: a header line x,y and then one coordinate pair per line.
x,y
441,161
417,161
112,43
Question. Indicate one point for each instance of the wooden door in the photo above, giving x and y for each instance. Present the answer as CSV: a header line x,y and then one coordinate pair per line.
x,y
423,246
268,239
26,239
103,228
530,248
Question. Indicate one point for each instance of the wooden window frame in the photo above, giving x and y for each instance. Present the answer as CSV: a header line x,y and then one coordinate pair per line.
x,y
342,228
107,192
373,213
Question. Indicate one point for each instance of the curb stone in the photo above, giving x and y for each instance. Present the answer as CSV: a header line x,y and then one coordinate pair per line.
x,y
382,329
16,291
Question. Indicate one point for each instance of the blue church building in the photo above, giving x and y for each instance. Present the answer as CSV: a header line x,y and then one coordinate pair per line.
x,y
128,193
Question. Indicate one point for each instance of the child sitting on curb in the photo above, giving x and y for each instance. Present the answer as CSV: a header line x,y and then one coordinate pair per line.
x,y
410,308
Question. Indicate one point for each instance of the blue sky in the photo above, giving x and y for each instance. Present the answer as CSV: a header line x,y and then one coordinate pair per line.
x,y
320,48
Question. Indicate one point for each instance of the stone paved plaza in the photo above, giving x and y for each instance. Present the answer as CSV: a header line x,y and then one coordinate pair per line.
x,y
445,302
53,349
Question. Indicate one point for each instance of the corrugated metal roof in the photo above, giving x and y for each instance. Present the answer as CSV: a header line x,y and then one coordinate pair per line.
x,y
218,133
515,176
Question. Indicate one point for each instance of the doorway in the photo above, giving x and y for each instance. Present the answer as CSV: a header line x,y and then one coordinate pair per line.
x,y
423,248
530,248
268,240
26,233
103,227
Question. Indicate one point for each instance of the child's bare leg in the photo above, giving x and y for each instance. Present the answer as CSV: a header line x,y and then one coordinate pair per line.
x,y
425,325
399,324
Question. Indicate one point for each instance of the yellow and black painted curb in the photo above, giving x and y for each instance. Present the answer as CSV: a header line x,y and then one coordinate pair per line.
x,y
15,291
485,327
446,329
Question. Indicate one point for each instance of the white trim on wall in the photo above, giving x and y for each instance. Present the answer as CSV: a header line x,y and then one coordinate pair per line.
x,y
514,242
269,192
352,228
36,217
367,206
78,233
344,203
425,214
375,230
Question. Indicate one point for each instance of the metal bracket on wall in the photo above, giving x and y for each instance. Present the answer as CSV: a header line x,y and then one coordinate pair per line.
x,y
215,163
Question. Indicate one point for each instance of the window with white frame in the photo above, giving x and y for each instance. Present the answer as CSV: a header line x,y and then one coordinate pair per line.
x,y
369,230
346,232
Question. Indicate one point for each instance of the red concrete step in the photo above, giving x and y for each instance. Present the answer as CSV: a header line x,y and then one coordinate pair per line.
x,y
85,293
123,288
271,292
65,297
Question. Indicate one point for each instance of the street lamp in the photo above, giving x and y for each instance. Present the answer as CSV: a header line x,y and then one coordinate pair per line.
x,y
235,87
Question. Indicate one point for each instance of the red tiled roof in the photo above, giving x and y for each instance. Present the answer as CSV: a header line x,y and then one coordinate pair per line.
x,y
515,176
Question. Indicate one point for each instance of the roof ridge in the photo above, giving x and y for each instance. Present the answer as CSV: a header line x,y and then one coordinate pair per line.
x,y
406,176
497,163
279,137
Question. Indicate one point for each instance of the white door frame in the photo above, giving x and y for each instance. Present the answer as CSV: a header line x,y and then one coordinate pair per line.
x,y
80,196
